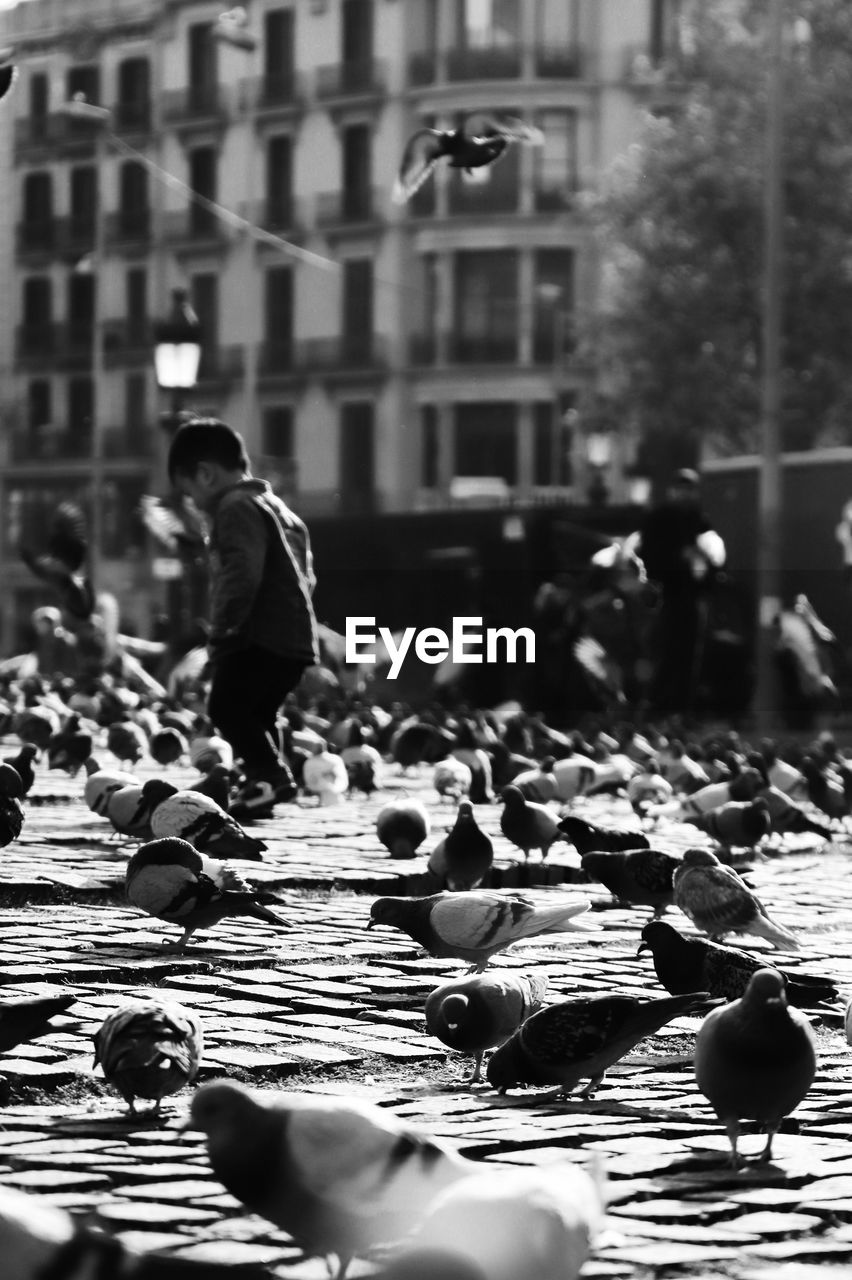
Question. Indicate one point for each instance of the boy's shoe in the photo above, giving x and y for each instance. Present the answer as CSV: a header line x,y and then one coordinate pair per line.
x,y
257,798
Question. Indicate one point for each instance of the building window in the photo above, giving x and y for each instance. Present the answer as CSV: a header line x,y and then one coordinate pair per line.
x,y
483,23
486,440
486,306
356,454
204,297
429,477
37,313
39,100
37,227
134,94
81,309
277,433
552,441
556,160
553,306
81,410
279,181
278,46
202,179
357,310
202,67
84,203
356,31
136,409
278,318
356,171
664,34
133,210
136,304
85,80
39,405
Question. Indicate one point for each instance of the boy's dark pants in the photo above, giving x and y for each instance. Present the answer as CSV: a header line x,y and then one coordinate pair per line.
x,y
248,687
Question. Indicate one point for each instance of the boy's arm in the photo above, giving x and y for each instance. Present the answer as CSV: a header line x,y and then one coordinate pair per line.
x,y
241,548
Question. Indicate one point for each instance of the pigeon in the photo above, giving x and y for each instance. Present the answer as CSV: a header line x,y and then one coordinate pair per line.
x,y
338,1175
325,776
528,825
191,816
582,1038
39,1241
717,901
11,808
362,761
452,780
129,811
71,747
789,817
168,745
681,770
476,1013
206,748
474,926
8,73
171,880
502,1224
148,1049
642,877
479,140
823,790
27,1019
586,837
847,1022
755,1059
463,858
101,783
538,784
685,964
37,725
415,741
402,826
647,788
467,750
741,823
216,784
127,741
23,764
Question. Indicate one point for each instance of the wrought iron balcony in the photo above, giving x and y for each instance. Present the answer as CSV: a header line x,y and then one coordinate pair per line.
x,y
277,359
194,104
422,68
50,443
274,215
129,227
193,226
559,62
77,233
359,204
482,348
221,364
54,133
422,348
346,352
366,77
35,341
128,342
272,93
38,235
131,117
490,62
128,441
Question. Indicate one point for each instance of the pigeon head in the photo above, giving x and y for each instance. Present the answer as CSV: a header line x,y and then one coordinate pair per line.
x,y
657,936
156,790
700,858
767,986
220,1107
465,813
506,1066
513,797
454,1009
386,911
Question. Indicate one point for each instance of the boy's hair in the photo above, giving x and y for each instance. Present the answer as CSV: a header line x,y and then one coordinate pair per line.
x,y
206,440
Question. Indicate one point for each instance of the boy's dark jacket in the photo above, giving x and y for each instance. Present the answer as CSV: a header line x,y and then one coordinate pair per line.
x,y
262,575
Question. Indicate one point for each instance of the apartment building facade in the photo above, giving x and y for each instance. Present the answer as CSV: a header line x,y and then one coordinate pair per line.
x,y
377,357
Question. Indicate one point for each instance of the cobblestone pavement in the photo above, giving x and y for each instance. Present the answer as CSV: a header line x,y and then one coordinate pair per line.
x,y
329,1006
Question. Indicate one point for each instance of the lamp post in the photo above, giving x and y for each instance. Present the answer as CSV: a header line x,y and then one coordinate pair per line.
x,y
177,355
551,294
78,108
598,456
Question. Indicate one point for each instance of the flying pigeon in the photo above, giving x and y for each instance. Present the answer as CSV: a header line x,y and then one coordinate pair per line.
x,y
474,926
586,837
191,816
338,1175
171,880
755,1059
690,964
27,1019
501,1224
479,140
402,826
642,877
582,1038
473,1014
528,825
463,858
717,901
148,1049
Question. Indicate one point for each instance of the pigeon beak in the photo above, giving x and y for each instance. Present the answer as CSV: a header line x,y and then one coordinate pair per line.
x,y
371,924
643,946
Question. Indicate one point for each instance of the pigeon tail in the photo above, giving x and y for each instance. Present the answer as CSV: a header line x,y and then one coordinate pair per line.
x,y
780,937
245,905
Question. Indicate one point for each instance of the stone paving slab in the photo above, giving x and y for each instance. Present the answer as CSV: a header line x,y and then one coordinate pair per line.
x,y
330,1007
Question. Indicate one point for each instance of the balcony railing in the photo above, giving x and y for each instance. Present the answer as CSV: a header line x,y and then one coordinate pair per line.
x,y
365,78
128,341
51,443
129,226
492,62
274,215
197,102
273,92
53,131
131,117
276,358
221,364
192,225
38,235
348,351
361,204
559,62
35,341
128,441
484,348
422,348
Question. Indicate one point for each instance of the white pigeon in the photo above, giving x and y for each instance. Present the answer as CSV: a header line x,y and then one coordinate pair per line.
x,y
325,776
452,779
509,1223
338,1175
101,783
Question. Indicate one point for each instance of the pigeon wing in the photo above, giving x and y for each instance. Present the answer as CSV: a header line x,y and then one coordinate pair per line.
x,y
652,869
491,124
422,152
477,920
572,1031
716,901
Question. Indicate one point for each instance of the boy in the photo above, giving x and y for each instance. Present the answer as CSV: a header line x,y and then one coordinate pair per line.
x,y
263,631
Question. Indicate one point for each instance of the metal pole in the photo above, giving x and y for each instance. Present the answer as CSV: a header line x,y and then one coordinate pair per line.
x,y
769,506
558,352
97,451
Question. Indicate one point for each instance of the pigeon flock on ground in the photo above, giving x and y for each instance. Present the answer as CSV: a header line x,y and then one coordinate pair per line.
x,y
344,1177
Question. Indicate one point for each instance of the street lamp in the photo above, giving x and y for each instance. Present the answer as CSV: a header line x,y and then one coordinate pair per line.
x,y
598,456
78,108
177,354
